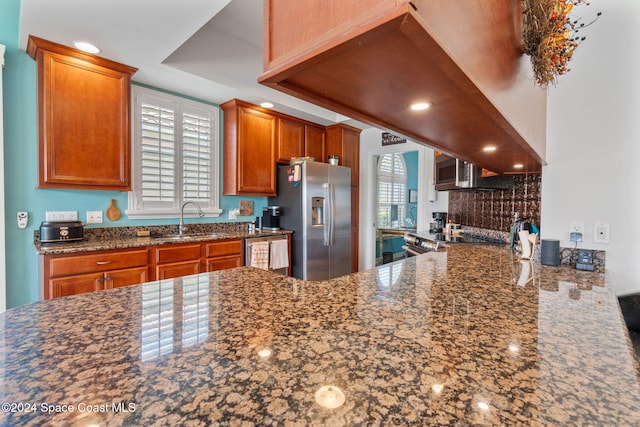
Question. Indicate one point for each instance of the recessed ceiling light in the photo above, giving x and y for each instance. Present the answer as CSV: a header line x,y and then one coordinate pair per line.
x,y
518,166
489,148
419,106
87,47
266,105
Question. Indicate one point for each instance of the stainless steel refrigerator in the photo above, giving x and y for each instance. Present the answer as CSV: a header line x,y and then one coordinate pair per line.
x,y
315,199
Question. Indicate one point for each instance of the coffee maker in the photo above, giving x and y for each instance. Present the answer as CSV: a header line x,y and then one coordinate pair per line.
x,y
271,218
438,223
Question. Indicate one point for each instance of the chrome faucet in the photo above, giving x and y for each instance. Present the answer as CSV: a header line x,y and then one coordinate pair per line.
x,y
181,227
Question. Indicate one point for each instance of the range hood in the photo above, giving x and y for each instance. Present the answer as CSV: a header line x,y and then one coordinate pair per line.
x,y
369,60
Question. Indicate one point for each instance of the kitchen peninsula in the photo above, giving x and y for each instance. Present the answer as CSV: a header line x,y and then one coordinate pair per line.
x,y
473,335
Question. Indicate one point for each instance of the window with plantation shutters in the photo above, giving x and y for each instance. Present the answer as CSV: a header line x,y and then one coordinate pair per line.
x,y
175,155
392,190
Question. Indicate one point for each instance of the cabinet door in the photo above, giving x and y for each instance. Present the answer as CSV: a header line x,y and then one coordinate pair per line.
x,y
177,269
314,143
344,141
84,139
222,263
129,276
256,172
177,260
290,140
73,285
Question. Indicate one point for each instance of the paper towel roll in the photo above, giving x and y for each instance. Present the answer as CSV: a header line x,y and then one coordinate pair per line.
x,y
526,244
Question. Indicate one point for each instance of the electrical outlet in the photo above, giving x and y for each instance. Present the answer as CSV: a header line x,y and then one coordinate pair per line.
x,y
94,217
601,232
233,213
576,227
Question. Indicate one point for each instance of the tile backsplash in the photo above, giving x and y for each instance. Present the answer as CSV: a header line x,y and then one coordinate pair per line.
x,y
494,209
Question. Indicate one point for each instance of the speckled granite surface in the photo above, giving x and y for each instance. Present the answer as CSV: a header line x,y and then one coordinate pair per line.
x,y
97,239
471,336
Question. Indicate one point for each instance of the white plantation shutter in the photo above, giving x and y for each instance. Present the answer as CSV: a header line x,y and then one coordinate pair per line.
x,y
158,154
392,188
196,156
175,155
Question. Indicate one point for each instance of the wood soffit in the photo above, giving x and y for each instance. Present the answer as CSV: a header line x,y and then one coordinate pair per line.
x,y
374,72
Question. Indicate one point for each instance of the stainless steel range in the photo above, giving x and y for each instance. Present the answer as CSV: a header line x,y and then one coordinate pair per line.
x,y
421,242
416,245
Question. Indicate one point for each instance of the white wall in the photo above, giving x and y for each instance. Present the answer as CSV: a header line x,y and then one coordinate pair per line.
x,y
593,141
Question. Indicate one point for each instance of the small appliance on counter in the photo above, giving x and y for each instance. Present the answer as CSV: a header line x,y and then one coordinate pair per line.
x,y
57,232
437,224
271,218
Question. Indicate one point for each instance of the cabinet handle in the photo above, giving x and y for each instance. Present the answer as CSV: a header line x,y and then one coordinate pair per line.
x,y
104,262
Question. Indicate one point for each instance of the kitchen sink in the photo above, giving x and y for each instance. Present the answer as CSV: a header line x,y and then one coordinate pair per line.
x,y
189,236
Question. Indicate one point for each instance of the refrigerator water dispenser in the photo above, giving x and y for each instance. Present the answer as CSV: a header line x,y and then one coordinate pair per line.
x,y
317,211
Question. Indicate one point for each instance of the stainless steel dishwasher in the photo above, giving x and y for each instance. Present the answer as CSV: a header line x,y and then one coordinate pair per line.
x,y
249,249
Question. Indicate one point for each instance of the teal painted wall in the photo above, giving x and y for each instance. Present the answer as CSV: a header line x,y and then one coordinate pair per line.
x,y
21,171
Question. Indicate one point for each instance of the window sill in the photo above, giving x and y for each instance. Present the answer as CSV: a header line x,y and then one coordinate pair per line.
x,y
149,214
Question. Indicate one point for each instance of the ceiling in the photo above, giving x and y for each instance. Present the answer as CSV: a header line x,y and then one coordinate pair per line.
x,y
207,49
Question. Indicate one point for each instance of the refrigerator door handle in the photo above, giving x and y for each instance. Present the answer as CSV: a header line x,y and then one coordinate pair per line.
x,y
332,213
326,214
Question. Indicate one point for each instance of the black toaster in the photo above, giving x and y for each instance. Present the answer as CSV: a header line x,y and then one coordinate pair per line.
x,y
55,232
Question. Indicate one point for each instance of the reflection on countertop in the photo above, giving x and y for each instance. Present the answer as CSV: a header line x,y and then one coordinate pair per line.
x,y
473,335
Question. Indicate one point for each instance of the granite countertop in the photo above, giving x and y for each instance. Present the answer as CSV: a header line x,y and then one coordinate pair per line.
x,y
98,239
471,336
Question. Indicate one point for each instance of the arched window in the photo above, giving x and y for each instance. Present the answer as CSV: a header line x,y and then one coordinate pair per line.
x,y
392,190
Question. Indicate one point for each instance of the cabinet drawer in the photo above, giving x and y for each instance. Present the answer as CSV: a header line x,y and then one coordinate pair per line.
x,y
222,248
103,261
177,253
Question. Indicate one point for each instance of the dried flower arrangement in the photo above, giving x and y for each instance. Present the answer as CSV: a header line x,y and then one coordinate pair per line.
x,y
551,36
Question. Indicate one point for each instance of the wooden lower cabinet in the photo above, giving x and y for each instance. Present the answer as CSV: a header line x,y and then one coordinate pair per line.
x,y
176,260
72,274
65,286
130,276
224,254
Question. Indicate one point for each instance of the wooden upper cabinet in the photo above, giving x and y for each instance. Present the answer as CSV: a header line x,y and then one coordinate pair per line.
x,y
344,140
290,139
83,115
314,142
249,150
